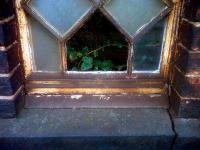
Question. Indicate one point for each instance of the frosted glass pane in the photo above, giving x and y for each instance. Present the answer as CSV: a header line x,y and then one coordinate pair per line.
x,y
61,14
45,48
148,49
133,14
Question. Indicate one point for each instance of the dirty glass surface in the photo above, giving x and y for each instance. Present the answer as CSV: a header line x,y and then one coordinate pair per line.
x,y
132,15
98,45
61,14
45,48
148,49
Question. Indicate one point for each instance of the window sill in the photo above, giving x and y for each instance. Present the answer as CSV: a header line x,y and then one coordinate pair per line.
x,y
97,101
60,92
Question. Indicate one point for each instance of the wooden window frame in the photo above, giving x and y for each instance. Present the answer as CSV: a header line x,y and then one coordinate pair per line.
x,y
104,83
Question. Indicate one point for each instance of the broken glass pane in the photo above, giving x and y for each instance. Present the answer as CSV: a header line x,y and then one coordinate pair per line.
x,y
148,49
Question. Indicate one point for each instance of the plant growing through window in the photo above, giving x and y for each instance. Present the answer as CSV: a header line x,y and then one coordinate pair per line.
x,y
103,35
97,46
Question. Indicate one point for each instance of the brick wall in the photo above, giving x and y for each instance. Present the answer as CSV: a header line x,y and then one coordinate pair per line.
x,y
185,98
11,73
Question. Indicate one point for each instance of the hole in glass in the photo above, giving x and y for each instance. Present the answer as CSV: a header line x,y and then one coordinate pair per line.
x,y
97,46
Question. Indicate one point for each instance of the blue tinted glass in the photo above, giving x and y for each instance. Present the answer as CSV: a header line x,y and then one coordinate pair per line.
x,y
134,14
61,14
148,49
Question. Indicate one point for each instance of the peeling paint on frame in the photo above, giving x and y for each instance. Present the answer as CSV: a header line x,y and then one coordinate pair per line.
x,y
25,38
97,91
171,35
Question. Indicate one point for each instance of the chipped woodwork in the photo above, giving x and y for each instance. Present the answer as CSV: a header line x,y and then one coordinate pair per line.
x,y
170,38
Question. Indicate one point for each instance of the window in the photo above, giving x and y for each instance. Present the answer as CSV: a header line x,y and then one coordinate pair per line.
x,y
122,42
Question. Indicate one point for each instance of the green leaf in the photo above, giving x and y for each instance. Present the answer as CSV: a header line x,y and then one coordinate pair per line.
x,y
106,65
79,54
72,56
86,66
87,59
87,63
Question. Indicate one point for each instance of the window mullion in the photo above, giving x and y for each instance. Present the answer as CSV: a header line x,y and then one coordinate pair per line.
x,y
63,64
130,59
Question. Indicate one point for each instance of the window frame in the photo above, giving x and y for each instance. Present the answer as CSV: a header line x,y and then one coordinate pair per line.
x,y
37,82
